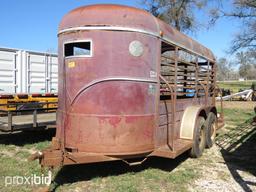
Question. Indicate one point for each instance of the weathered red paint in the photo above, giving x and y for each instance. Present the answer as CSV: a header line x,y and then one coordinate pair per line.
x,y
116,15
116,119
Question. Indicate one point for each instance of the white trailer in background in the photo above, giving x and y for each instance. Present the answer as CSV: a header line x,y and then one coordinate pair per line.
x,y
27,72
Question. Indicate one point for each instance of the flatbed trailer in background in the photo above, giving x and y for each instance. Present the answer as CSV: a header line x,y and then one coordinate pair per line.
x,y
26,112
11,102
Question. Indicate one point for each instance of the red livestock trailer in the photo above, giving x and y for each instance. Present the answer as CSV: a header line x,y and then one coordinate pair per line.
x,y
130,86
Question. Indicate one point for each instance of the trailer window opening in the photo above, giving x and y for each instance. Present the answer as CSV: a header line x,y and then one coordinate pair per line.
x,y
80,49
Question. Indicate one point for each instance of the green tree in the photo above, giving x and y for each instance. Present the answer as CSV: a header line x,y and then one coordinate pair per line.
x,y
246,61
225,71
245,12
178,13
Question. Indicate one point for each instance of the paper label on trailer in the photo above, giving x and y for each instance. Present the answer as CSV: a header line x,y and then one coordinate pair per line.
x,y
152,74
151,89
71,64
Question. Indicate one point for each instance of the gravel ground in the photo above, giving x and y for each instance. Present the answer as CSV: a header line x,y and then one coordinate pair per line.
x,y
238,104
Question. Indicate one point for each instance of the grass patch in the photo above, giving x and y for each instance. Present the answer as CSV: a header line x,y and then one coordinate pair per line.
x,y
178,177
42,145
22,155
15,149
15,167
236,116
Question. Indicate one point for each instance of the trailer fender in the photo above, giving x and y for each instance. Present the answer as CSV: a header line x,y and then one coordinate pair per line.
x,y
188,121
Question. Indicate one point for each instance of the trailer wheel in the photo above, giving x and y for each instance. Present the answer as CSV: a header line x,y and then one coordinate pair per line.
x,y
199,138
210,129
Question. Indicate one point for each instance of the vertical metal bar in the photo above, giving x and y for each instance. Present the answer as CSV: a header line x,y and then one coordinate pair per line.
x,y
15,73
174,97
34,118
64,94
196,83
157,99
214,68
21,65
28,73
47,106
10,127
208,81
46,72
185,77
172,112
50,73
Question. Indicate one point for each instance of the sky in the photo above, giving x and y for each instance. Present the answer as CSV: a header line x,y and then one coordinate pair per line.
x,y
33,24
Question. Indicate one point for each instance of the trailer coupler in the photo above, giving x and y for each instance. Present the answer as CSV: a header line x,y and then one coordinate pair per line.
x,y
50,157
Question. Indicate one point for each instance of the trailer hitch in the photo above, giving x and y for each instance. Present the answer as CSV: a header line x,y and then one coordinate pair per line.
x,y
35,156
50,157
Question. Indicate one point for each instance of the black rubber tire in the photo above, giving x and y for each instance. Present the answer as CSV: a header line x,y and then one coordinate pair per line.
x,y
211,127
199,138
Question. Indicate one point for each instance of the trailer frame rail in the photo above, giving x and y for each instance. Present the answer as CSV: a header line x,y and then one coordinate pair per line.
x,y
29,118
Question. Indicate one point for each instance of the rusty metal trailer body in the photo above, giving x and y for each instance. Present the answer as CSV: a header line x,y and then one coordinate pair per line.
x,y
129,86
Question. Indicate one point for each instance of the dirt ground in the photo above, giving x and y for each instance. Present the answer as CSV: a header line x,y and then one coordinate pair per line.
x,y
238,104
